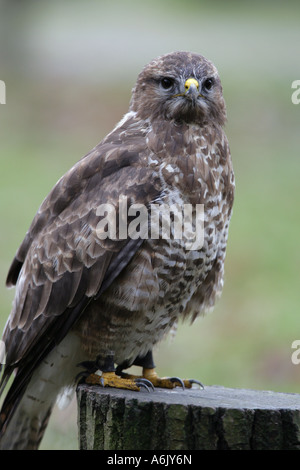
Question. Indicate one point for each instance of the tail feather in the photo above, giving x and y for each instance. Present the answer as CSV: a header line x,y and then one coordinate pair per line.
x,y
25,431
28,404
25,414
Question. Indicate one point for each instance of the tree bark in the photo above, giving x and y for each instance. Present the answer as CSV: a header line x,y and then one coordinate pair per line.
x,y
210,419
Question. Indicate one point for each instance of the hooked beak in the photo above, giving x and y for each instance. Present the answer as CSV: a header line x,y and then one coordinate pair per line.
x,y
192,89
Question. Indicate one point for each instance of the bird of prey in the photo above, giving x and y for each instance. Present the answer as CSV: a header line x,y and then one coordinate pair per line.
x,y
88,296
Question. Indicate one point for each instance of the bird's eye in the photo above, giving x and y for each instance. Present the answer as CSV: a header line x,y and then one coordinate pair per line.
x,y
167,83
208,83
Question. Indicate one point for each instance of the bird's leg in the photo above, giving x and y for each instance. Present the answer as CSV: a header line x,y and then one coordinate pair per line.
x,y
150,374
108,378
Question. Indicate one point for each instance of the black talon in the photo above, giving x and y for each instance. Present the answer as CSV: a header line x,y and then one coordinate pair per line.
x,y
177,380
193,381
141,384
101,382
89,368
82,375
150,384
145,383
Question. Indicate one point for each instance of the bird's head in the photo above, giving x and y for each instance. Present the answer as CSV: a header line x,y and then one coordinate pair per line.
x,y
180,86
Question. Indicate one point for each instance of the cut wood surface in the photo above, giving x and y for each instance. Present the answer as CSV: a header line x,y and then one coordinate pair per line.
x,y
191,419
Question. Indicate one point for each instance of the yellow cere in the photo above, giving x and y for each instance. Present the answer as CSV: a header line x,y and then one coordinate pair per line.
x,y
189,82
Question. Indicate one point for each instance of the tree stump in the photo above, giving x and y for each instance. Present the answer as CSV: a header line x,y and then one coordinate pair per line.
x,y
210,419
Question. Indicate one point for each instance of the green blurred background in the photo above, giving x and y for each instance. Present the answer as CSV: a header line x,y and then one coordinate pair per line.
x,y
69,67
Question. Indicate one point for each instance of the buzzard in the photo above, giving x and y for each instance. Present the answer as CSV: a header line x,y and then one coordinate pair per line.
x,y
86,297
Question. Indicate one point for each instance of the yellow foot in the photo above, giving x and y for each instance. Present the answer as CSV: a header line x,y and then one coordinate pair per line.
x,y
110,379
163,382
